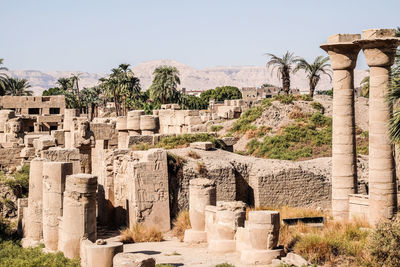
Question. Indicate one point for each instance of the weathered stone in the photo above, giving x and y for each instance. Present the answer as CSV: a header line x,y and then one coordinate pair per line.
x,y
54,176
202,145
79,213
44,142
127,259
99,255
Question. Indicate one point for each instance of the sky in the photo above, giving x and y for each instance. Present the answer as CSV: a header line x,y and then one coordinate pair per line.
x,y
97,35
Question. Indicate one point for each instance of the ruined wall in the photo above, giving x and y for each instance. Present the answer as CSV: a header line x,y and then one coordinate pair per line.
x,y
10,158
292,187
24,105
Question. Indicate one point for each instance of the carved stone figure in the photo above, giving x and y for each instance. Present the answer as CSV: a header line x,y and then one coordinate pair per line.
x,y
84,141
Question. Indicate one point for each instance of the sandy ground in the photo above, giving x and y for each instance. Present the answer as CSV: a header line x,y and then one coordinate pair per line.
x,y
166,252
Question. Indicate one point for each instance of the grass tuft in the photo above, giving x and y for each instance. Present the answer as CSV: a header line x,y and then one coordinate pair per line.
x,y
193,154
141,233
181,224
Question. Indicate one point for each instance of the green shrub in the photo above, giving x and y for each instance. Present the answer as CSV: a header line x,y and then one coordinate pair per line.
x,y
384,243
310,137
329,92
12,254
184,140
216,128
19,182
224,265
285,99
244,122
318,106
305,97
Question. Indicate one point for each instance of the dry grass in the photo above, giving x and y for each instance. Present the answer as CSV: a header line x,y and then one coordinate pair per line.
x,y
201,168
297,114
181,223
291,212
193,154
141,233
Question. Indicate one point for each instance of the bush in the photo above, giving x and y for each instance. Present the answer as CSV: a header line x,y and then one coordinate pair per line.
x,y
244,122
303,139
216,128
12,254
285,99
305,97
141,146
184,140
318,106
384,243
224,265
181,223
141,233
19,182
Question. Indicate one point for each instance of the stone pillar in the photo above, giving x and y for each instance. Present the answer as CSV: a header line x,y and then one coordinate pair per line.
x,y
54,175
379,47
257,241
99,254
221,231
202,192
148,124
133,121
79,213
343,55
33,221
123,133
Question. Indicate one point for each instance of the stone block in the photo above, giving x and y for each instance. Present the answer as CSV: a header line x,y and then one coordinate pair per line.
x,y
195,236
378,33
28,139
27,152
343,38
202,145
259,256
44,142
59,135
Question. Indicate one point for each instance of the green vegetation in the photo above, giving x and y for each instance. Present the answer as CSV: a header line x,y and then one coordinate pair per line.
x,y
305,98
165,84
362,141
318,106
244,122
224,265
285,99
184,140
308,137
384,243
220,94
18,182
216,128
12,254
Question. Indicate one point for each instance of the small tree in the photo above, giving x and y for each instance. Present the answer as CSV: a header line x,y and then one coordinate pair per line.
x,y
314,70
284,68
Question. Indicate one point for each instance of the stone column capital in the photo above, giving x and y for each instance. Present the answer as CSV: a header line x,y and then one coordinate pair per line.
x,y
342,50
379,46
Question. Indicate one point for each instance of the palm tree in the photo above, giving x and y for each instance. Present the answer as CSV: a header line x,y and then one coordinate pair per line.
x,y
314,70
365,86
283,66
121,85
65,83
91,100
165,83
17,87
3,78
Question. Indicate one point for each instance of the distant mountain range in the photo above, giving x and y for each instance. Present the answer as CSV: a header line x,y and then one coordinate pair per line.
x,y
191,78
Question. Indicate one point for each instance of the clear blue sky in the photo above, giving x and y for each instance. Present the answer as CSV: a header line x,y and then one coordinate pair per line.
x,y
96,35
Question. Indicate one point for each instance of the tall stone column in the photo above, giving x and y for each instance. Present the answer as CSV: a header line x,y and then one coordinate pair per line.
x,y
379,46
33,221
54,174
79,213
343,55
